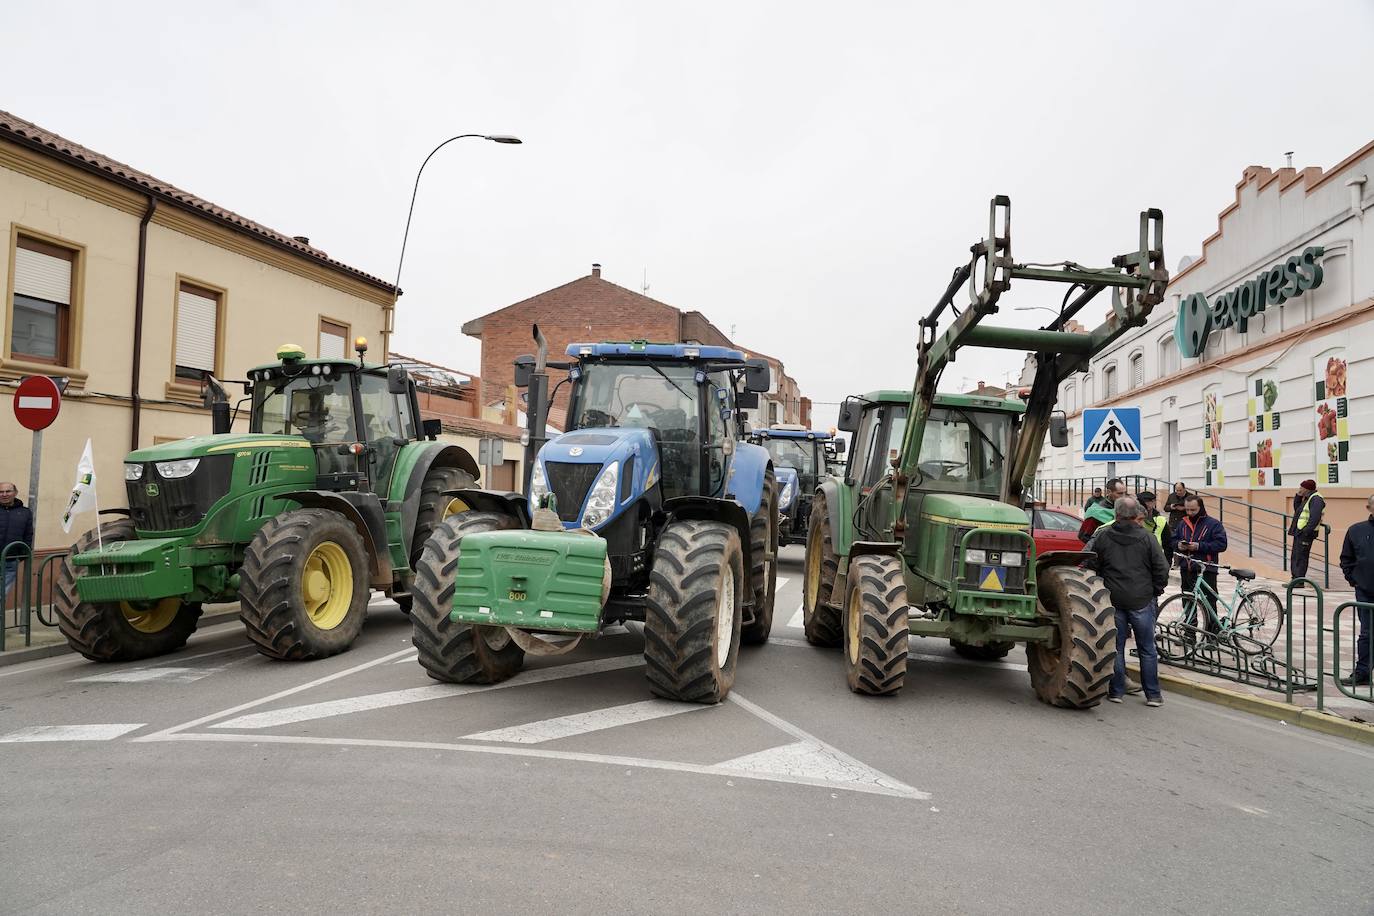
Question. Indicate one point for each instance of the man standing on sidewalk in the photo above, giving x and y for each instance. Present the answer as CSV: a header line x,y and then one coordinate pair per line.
x,y
1357,562
1131,562
1199,541
1308,506
16,527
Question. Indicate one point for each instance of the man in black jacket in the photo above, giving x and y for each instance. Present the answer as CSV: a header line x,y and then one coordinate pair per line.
x,y
16,527
1308,505
1131,563
1357,563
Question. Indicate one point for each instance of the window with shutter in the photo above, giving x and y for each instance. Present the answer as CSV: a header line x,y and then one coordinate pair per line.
x,y
1109,382
41,311
197,322
1137,370
333,339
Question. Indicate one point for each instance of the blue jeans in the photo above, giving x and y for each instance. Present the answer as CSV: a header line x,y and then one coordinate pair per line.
x,y
1362,644
11,574
1142,624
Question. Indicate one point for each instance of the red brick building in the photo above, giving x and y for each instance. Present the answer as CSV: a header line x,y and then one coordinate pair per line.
x,y
591,308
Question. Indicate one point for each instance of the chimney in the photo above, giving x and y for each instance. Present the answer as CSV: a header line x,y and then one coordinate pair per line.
x,y
596,270
304,240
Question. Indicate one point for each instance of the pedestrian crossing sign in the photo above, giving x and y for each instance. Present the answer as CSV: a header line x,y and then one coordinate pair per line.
x,y
1111,434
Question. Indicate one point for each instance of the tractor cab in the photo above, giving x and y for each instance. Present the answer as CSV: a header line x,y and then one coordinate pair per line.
x,y
800,457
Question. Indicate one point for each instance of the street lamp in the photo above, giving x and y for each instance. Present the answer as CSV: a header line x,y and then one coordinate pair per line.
x,y
396,287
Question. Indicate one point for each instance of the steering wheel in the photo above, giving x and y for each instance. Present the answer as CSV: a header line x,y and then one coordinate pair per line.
x,y
594,418
645,410
937,468
308,418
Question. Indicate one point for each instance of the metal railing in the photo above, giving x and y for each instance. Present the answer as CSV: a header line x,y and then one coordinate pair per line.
x,y
1265,529
31,596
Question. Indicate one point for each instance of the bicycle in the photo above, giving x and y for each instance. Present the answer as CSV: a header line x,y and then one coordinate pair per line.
x,y
1251,623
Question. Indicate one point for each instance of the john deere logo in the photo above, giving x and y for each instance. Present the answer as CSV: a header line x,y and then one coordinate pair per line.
x,y
151,489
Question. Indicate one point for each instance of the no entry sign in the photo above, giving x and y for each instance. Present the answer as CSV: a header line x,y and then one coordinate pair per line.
x,y
37,402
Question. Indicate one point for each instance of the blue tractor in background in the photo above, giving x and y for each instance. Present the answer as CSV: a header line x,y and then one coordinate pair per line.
x,y
650,507
800,459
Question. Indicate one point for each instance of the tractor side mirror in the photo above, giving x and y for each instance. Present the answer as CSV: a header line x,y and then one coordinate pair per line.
x,y
757,376
1059,429
397,380
849,415
524,369
432,426
839,446
747,400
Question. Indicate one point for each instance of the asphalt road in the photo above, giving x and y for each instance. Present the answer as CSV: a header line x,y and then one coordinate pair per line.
x,y
217,781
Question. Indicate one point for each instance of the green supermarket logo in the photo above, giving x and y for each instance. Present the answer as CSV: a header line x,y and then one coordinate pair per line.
x,y
1198,318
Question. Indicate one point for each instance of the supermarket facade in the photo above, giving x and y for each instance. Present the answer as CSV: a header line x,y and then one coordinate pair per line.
x,y
1257,371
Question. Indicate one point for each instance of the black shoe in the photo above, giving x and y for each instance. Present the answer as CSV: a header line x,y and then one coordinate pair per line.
x,y
1356,680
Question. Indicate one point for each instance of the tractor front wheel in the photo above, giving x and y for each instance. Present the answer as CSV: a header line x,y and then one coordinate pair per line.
x,y
763,554
304,585
876,633
1074,674
459,653
118,631
820,621
693,612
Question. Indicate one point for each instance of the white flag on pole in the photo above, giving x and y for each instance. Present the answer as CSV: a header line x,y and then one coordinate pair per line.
x,y
83,497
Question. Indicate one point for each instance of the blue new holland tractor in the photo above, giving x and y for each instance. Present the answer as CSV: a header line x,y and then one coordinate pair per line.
x,y
799,455
650,507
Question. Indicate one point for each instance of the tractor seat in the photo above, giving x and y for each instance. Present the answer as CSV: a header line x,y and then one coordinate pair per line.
x,y
1245,575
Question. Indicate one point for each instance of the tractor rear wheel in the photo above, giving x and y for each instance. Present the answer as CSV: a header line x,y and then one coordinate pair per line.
x,y
434,508
118,631
876,633
820,621
990,652
692,616
763,554
304,585
1076,673
459,653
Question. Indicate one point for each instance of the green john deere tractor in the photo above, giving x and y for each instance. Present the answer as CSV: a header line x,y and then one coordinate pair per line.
x,y
332,493
926,534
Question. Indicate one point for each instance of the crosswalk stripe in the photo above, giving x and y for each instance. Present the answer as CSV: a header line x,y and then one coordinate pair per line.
x,y
329,708
33,733
798,620
144,675
584,722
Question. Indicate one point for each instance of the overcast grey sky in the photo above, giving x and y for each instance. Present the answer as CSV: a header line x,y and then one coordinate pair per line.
x,y
808,173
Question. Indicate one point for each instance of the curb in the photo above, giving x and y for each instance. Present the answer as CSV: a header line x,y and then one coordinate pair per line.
x,y
33,653
1270,709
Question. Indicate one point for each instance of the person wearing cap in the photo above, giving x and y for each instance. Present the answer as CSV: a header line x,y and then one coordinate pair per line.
x,y
1153,520
1308,506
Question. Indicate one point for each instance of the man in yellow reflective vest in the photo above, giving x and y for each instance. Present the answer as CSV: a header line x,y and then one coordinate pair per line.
x,y
1308,506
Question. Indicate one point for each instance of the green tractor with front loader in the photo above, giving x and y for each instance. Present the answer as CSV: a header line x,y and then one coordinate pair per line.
x,y
332,493
926,534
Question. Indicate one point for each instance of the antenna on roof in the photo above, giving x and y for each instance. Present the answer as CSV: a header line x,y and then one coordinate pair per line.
x,y
1288,157
644,284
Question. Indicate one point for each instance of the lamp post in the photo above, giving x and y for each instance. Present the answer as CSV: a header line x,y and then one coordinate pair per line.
x,y
396,287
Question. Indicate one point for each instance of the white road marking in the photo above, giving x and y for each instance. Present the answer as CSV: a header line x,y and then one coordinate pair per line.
x,y
330,708
798,620
155,736
144,675
584,722
25,667
69,733
782,580
407,659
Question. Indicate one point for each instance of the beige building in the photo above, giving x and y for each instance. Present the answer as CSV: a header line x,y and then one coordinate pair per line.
x,y
132,289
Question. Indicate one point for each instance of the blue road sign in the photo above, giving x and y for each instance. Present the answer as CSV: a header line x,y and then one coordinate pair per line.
x,y
1111,434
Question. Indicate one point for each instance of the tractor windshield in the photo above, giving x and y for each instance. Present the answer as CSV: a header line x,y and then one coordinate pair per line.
x,y
798,454
964,450
316,407
660,397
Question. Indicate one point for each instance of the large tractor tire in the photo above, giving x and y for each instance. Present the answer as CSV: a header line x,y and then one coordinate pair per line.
x,y
990,652
876,635
820,621
1077,672
118,631
304,587
763,555
434,508
459,653
693,613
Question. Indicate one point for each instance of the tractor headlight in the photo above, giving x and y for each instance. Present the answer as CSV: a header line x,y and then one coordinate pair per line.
x,y
133,472
601,501
172,470
1011,559
539,486
975,556
785,499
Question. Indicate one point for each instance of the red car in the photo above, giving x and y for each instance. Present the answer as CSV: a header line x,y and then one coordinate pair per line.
x,y
1054,529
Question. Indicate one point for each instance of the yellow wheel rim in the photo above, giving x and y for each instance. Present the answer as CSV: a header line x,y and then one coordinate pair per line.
x,y
813,568
327,585
150,616
454,507
851,622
